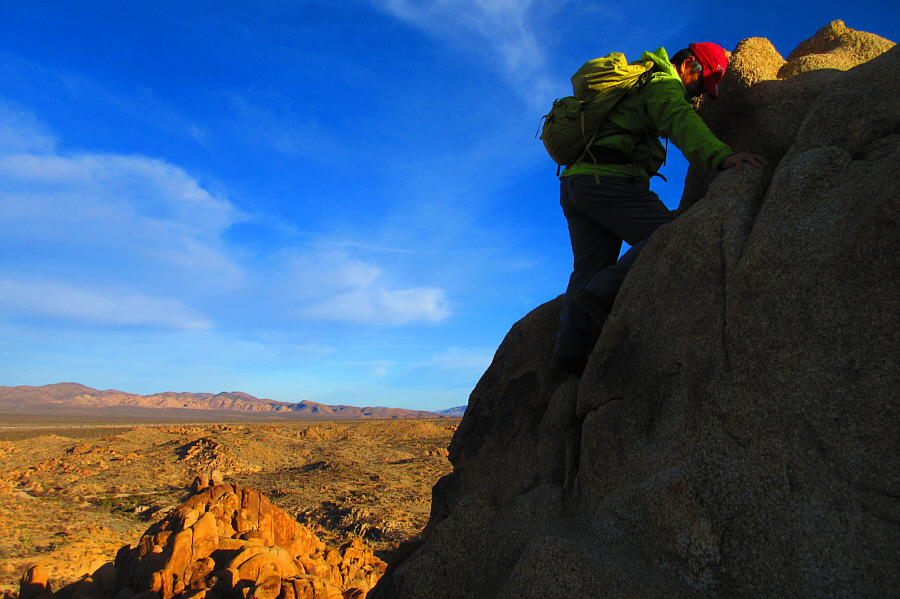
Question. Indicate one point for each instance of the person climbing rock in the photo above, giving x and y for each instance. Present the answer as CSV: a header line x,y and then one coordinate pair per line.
x,y
606,195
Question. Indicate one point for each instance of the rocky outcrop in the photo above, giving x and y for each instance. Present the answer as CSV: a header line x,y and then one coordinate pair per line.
x,y
224,542
735,432
765,100
230,541
835,46
35,584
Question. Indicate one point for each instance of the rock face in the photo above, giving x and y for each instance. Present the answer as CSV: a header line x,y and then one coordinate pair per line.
x,y
735,433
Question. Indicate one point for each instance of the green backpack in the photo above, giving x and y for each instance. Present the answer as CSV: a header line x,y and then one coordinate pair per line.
x,y
573,123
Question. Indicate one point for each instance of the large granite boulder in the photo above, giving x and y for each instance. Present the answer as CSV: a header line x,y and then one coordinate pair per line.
x,y
735,433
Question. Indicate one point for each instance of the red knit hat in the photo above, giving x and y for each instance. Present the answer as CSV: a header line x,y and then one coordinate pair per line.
x,y
714,61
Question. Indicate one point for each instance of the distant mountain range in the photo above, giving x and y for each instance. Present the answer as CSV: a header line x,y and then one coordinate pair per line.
x,y
72,399
456,412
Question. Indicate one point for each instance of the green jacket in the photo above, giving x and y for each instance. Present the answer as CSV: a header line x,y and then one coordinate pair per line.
x,y
633,127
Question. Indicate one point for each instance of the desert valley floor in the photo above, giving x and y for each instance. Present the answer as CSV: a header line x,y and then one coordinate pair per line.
x,y
71,496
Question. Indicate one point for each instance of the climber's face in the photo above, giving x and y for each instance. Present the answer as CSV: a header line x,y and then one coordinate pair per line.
x,y
693,81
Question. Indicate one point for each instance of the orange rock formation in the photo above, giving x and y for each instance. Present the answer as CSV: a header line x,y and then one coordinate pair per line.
x,y
225,542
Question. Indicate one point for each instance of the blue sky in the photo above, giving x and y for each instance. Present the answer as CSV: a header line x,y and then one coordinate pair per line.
x,y
341,202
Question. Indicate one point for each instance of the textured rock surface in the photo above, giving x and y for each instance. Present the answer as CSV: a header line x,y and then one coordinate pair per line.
x,y
233,542
835,46
765,100
735,432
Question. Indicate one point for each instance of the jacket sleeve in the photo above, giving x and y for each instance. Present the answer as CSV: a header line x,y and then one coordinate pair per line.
x,y
674,117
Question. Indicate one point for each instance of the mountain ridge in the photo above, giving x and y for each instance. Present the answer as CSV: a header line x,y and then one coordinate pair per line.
x,y
63,398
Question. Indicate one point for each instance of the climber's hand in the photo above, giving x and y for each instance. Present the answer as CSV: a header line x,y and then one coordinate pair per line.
x,y
739,158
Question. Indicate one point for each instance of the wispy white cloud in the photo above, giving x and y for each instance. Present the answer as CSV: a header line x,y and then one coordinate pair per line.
x,y
106,307
381,306
123,189
155,236
20,131
138,211
332,285
270,123
503,30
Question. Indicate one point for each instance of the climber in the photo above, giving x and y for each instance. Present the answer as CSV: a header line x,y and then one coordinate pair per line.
x,y
607,199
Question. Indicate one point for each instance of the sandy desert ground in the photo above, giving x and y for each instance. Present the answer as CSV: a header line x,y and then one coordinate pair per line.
x,y
71,496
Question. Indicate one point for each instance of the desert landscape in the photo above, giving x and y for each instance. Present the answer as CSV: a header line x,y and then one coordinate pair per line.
x,y
74,494
734,432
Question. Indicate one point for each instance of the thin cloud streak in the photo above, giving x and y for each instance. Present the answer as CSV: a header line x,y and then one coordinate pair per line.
x,y
48,299
503,29
283,130
20,131
332,285
380,306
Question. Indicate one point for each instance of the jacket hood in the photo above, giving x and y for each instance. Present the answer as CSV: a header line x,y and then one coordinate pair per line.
x,y
660,59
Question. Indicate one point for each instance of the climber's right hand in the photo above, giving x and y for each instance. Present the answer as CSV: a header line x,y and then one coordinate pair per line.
x,y
739,158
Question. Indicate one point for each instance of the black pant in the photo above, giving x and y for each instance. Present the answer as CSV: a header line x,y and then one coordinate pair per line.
x,y
600,217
